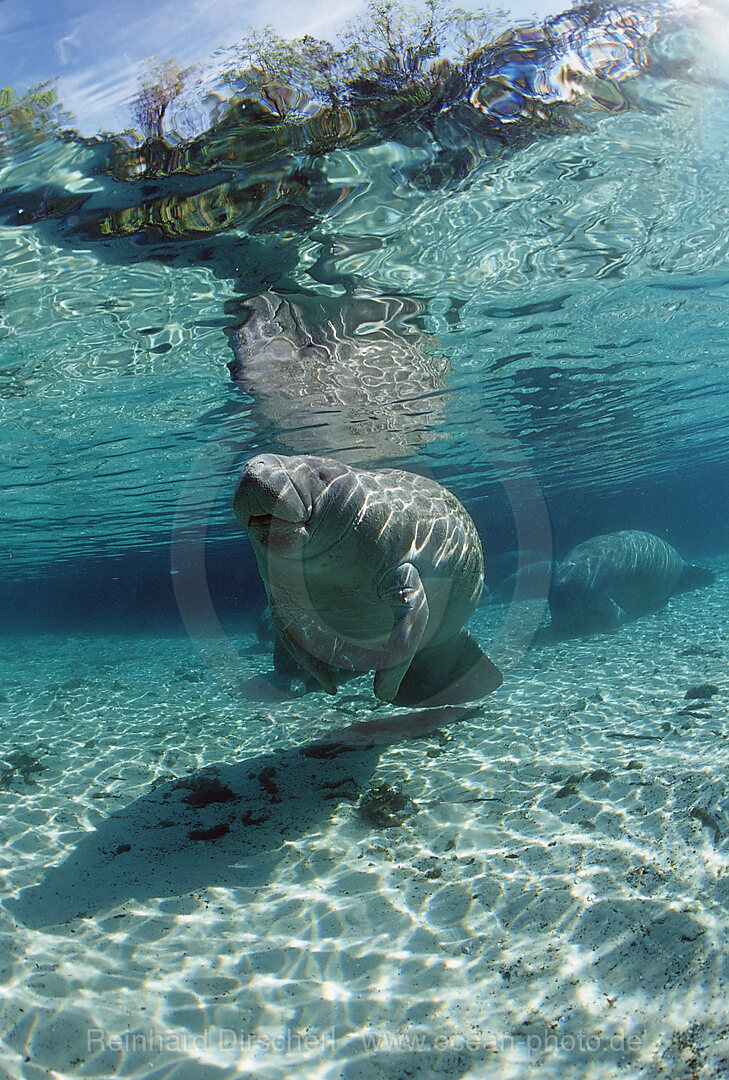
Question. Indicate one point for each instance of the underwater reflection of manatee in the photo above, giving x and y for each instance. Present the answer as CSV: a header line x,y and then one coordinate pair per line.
x,y
354,377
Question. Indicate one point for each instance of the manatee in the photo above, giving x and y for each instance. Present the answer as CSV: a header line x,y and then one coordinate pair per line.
x,y
283,662
508,563
521,574
368,570
355,378
264,627
531,582
618,576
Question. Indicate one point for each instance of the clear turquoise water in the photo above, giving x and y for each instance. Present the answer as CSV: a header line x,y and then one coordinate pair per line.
x,y
563,289
575,280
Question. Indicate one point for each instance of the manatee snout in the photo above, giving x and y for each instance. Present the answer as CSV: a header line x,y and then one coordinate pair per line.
x,y
265,489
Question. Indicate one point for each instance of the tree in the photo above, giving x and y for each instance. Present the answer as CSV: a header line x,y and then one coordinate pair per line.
x,y
287,75
396,43
159,88
38,111
390,50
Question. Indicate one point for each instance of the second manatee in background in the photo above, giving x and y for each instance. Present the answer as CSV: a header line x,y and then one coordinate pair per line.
x,y
611,578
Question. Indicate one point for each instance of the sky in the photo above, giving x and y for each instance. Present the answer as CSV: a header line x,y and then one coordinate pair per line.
x,y
97,49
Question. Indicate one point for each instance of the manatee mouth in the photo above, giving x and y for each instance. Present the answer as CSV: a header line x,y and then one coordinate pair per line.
x,y
267,493
277,535
262,524
288,539
285,504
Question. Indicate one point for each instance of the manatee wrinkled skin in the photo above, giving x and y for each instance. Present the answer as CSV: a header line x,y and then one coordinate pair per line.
x,y
618,576
368,570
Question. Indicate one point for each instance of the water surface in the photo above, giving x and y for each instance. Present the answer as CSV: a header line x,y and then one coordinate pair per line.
x,y
520,290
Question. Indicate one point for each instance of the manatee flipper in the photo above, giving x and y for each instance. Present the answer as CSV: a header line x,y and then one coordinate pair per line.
x,y
288,668
611,612
320,671
283,661
449,673
404,592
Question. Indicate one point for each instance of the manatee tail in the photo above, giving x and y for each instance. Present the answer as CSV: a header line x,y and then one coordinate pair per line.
x,y
694,577
449,673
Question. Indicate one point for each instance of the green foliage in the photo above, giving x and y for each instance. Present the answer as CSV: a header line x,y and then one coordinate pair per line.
x,y
398,42
392,49
36,112
265,65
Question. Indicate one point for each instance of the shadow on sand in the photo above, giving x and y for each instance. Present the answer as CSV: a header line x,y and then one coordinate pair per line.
x,y
223,826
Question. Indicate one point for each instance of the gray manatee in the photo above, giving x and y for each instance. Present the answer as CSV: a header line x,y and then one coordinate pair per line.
x,y
531,582
283,662
618,576
368,570
520,574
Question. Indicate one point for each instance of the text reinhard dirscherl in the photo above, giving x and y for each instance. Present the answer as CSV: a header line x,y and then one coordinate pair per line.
x,y
228,1041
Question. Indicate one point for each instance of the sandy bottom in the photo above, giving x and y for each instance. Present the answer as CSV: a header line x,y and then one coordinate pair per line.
x,y
192,890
